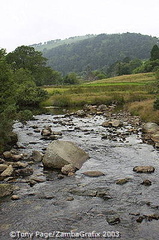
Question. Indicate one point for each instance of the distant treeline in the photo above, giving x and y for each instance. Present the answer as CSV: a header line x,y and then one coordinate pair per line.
x,y
97,52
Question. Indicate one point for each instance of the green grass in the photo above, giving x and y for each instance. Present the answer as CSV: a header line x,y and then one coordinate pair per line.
x,y
120,90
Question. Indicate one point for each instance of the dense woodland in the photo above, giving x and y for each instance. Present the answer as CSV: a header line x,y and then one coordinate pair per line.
x,y
97,52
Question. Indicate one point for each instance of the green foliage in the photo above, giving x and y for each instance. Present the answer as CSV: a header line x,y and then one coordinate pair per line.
x,y
30,95
154,53
24,115
62,101
17,89
127,66
99,52
70,78
156,104
27,58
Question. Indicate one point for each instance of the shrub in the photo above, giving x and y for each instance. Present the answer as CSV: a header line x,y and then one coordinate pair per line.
x,y
25,115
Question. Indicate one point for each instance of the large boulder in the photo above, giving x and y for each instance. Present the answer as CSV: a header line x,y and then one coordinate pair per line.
x,y
150,128
60,153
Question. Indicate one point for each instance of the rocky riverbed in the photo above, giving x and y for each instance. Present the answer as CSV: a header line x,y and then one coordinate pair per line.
x,y
115,193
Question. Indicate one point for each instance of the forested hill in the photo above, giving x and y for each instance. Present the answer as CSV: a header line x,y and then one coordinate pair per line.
x,y
98,51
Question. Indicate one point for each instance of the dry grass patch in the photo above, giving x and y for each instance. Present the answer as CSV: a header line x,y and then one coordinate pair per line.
x,y
145,110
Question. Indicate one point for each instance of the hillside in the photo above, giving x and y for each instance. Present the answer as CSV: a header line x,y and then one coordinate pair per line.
x,y
58,42
96,52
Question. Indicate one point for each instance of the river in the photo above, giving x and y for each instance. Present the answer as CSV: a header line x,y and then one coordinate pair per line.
x,y
56,205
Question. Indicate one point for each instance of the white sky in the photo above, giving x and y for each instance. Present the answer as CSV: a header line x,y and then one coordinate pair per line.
x,y
24,22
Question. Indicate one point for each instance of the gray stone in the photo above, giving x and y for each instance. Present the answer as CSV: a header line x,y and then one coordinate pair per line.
x,y
6,190
122,181
37,156
7,172
3,167
113,220
24,172
146,182
67,169
15,197
7,154
116,123
144,169
19,164
93,173
150,127
60,153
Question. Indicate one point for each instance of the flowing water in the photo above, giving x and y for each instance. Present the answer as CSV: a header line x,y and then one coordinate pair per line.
x,y
69,204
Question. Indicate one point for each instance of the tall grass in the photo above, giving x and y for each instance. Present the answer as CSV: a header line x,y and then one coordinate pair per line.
x,y
136,92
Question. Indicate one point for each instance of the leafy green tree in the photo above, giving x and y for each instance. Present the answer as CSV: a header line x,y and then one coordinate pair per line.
x,y
7,101
71,78
26,57
154,53
28,95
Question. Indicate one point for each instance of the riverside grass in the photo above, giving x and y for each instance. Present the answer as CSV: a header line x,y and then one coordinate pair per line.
x,y
128,91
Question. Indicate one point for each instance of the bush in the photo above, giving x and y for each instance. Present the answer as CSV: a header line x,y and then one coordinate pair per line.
x,y
62,101
25,115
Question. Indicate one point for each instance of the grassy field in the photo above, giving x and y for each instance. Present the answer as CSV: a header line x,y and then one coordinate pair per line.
x,y
133,92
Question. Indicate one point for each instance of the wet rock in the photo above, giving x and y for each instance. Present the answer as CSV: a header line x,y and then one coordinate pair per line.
x,y
106,124
19,165
140,219
144,169
2,161
155,137
7,172
148,217
150,127
103,194
7,154
53,137
113,220
152,217
17,157
102,107
104,136
37,130
122,181
37,156
146,182
3,167
81,113
60,153
46,131
70,199
6,190
24,172
116,123
15,197
32,183
67,169
88,192
93,173
57,133
10,155
60,176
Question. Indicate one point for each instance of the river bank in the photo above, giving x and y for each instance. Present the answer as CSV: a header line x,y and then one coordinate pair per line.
x,y
119,201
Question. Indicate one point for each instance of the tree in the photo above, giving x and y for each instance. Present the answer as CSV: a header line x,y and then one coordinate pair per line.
x,y
27,93
27,58
154,53
7,101
71,78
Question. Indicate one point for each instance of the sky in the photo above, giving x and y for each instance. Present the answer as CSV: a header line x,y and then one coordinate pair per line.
x,y
25,22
